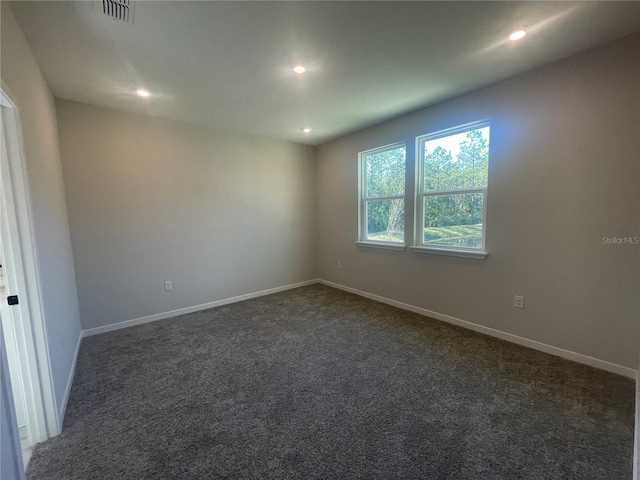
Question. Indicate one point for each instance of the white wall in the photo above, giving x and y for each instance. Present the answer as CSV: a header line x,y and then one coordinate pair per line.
x,y
219,214
564,172
27,89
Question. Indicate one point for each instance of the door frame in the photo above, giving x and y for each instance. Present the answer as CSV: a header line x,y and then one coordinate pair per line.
x,y
21,251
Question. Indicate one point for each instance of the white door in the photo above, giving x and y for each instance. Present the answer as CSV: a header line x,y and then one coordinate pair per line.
x,y
11,348
11,464
22,323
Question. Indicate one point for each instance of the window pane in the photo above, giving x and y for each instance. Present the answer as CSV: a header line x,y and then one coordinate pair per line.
x,y
454,220
457,161
385,173
385,220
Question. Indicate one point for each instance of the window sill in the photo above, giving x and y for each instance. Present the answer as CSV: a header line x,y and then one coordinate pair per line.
x,y
479,255
387,246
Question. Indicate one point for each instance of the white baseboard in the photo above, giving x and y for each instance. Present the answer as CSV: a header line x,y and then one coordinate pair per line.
x,y
559,352
67,391
196,308
569,355
636,437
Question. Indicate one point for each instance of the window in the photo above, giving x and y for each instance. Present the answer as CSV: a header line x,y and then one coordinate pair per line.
x,y
450,194
452,188
382,189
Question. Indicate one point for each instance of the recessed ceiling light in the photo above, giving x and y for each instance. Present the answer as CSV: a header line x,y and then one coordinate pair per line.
x,y
299,69
306,130
517,35
143,93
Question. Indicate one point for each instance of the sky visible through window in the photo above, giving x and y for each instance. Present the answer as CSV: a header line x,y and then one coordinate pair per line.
x,y
452,142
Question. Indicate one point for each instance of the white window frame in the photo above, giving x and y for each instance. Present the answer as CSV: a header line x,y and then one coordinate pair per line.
x,y
419,245
363,199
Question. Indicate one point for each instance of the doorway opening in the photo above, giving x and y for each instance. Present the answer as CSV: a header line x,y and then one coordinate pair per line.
x,y
13,361
22,322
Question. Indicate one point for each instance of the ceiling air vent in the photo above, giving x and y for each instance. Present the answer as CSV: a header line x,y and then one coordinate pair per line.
x,y
119,9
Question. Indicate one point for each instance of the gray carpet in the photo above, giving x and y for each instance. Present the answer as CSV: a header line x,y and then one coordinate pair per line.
x,y
318,383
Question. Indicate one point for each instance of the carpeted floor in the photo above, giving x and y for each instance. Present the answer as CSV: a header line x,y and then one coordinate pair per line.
x,y
318,383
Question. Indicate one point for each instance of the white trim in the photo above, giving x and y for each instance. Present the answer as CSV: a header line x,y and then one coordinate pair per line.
x,y
42,418
182,311
67,391
455,191
388,246
479,255
559,352
380,199
636,435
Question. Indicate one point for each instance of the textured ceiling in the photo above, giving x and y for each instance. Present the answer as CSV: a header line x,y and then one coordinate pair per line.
x,y
228,64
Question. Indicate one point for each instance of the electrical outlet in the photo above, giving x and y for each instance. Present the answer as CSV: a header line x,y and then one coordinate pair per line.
x,y
518,301
339,265
168,286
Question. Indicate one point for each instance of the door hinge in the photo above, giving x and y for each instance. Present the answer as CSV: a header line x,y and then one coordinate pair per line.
x,y
12,300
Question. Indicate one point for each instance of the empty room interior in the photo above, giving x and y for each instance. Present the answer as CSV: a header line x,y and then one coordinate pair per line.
x,y
328,240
